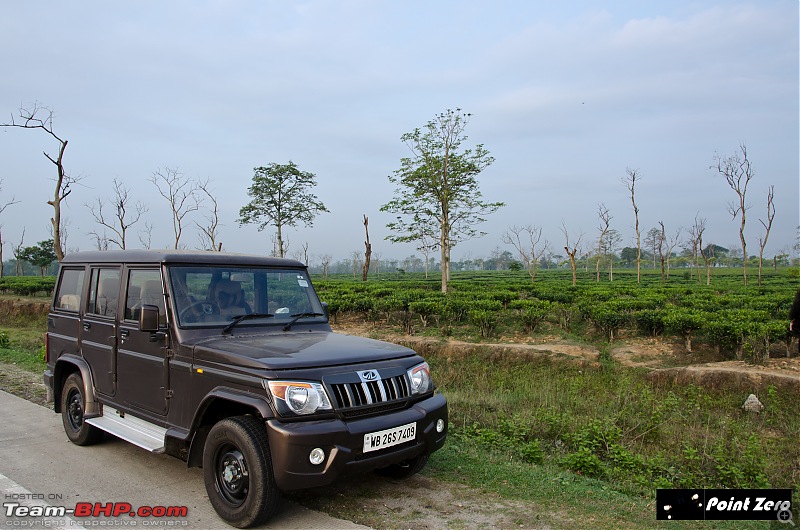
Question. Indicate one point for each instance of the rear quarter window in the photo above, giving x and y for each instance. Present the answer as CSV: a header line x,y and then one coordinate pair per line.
x,y
70,290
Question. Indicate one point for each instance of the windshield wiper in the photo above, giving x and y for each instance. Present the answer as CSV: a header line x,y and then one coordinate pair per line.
x,y
240,318
298,316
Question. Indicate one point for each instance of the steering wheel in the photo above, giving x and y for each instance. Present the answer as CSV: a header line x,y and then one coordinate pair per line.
x,y
195,310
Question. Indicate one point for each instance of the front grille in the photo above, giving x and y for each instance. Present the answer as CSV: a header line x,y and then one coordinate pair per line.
x,y
357,413
362,394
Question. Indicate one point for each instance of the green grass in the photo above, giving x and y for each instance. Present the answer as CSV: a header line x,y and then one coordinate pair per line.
x,y
23,347
548,417
560,498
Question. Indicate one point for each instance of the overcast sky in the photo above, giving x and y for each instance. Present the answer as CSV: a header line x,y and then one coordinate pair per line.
x,y
564,95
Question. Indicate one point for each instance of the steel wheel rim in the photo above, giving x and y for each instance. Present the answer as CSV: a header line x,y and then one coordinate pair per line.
x,y
232,478
75,409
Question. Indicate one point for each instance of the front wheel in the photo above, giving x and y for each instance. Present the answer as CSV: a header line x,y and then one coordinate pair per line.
x,y
404,469
73,405
237,469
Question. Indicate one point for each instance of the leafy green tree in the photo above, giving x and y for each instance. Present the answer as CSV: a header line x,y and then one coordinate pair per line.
x,y
629,255
281,197
437,195
41,255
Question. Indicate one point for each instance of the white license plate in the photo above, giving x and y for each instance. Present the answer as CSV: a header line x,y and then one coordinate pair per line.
x,y
375,441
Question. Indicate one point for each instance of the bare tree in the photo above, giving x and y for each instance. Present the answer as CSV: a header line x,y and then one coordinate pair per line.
x,y
762,241
42,118
651,243
605,224
525,239
326,263
572,250
630,181
210,231
146,235
610,245
2,209
694,239
376,262
181,193
355,256
125,214
698,230
17,251
304,246
662,237
737,171
367,251
427,245
101,241
672,242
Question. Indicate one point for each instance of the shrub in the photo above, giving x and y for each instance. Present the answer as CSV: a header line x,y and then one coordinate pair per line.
x,y
485,320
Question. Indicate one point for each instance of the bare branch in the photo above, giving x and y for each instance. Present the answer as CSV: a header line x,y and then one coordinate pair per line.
x,y
42,118
123,220
181,193
210,232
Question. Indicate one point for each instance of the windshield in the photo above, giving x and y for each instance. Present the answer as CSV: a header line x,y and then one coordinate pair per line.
x,y
216,296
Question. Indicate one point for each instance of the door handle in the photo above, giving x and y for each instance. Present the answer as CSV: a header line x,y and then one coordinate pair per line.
x,y
124,333
87,326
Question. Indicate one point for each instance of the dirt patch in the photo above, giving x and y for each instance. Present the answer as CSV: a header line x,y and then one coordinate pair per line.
x,y
19,307
419,503
23,383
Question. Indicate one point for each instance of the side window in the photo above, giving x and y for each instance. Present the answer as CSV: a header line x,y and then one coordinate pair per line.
x,y
104,292
145,287
70,290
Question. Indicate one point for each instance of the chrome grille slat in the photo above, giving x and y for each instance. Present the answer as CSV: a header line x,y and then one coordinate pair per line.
x,y
367,393
363,394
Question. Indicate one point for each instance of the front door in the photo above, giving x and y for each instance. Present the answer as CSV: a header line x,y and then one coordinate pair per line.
x,y
142,360
99,335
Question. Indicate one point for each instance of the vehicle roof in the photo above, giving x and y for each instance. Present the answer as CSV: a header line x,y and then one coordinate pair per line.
x,y
193,257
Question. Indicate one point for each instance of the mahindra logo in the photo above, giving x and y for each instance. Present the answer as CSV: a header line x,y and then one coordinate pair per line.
x,y
369,375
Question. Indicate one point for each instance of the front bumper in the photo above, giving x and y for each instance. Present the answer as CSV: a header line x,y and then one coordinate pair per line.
x,y
342,441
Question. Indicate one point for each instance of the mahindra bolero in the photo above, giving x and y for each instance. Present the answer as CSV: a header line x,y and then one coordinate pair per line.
x,y
228,362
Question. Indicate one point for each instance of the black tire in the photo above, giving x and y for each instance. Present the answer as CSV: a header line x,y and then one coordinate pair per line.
x,y
237,468
404,469
73,405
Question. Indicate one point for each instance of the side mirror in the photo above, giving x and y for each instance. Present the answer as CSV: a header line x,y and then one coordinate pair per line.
x,y
325,310
148,318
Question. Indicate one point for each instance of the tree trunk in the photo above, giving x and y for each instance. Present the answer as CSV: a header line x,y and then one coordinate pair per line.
x,y
444,243
368,252
280,240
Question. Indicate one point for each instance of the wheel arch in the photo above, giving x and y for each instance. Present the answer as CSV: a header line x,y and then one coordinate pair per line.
x,y
66,366
219,404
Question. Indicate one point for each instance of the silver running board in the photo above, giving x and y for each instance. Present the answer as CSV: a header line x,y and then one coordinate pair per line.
x,y
134,430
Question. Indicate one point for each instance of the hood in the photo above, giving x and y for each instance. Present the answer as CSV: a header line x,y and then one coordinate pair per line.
x,y
288,350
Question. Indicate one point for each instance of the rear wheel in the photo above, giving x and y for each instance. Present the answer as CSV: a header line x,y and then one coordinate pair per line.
x,y
237,468
73,405
404,469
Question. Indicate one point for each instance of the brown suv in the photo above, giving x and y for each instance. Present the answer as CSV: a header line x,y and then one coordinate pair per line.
x,y
228,362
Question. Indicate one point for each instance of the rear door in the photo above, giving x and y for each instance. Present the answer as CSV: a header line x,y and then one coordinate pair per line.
x,y
64,321
99,333
142,360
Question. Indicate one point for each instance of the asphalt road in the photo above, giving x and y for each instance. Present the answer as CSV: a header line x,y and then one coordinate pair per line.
x,y
40,467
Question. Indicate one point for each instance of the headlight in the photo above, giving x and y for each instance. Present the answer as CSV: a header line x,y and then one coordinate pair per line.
x,y
298,397
420,378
